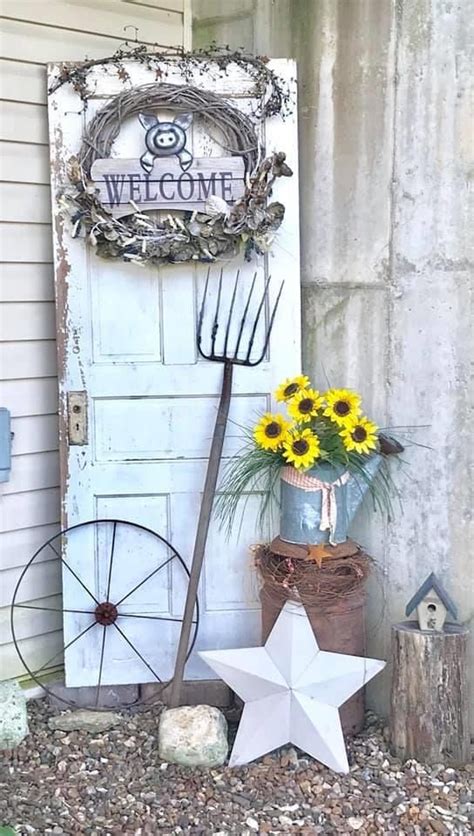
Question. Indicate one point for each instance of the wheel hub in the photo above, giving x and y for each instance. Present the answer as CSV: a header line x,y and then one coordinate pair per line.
x,y
106,613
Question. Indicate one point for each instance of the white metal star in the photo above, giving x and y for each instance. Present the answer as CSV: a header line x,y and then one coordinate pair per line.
x,y
292,691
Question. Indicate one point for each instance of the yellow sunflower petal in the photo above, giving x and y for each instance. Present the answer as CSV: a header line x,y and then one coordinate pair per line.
x,y
360,436
305,405
342,406
270,431
301,449
291,386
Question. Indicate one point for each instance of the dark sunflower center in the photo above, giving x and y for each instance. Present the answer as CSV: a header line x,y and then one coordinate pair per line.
x,y
300,447
306,405
359,434
341,408
272,430
291,389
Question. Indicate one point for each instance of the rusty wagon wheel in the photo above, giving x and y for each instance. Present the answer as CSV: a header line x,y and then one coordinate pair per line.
x,y
108,605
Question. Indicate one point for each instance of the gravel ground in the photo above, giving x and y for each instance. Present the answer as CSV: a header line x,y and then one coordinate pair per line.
x,y
114,783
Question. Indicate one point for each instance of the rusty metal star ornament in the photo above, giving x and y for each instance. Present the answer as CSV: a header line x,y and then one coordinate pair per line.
x,y
292,691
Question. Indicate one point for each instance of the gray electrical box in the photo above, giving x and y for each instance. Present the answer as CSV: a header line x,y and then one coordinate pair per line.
x,y
5,444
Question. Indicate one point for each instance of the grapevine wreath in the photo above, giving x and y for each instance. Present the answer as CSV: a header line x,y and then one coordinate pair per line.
x,y
156,238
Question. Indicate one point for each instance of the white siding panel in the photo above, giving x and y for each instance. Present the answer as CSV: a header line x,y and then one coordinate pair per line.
x,y
92,18
36,652
25,510
33,34
20,122
18,547
26,242
22,162
35,433
22,82
29,622
30,397
32,473
35,358
26,283
24,202
40,581
27,321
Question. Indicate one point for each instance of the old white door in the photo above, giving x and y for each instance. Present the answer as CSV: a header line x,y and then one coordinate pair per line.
x,y
127,339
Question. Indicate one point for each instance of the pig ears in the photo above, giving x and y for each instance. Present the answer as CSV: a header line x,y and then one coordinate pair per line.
x,y
183,120
148,120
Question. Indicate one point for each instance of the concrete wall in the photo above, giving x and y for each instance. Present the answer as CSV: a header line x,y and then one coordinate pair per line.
x,y
385,144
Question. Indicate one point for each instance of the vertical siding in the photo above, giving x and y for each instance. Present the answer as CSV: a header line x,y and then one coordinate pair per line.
x,y
35,32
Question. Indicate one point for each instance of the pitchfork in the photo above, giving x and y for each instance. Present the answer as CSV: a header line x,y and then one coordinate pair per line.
x,y
240,355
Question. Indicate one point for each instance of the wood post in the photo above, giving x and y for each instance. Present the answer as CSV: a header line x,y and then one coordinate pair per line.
x,y
429,712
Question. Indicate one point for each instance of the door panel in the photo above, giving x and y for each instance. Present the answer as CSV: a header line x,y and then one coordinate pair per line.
x,y
127,337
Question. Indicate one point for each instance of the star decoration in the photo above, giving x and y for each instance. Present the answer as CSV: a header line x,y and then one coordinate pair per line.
x,y
292,691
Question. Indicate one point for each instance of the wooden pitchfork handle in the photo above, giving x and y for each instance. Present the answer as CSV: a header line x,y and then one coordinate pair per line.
x,y
202,531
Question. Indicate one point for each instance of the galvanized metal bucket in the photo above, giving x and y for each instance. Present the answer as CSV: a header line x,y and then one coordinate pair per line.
x,y
319,505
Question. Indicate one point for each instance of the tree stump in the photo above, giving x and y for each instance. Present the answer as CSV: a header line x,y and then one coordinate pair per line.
x,y
429,712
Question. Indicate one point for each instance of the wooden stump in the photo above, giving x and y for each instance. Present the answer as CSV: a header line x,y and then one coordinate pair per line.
x,y
429,712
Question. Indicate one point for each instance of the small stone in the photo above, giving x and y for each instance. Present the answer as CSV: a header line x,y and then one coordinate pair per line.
x,y
439,826
83,720
355,823
193,736
252,823
13,716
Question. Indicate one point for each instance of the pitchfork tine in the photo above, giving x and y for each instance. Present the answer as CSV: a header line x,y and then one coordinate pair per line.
x,y
244,317
270,326
231,308
201,312
257,317
215,325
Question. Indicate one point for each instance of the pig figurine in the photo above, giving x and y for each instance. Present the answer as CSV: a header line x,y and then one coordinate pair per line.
x,y
165,139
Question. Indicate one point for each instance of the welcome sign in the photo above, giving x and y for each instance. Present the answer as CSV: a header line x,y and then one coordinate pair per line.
x,y
123,183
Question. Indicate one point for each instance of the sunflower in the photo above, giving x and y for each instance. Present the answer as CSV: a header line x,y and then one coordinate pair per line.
x,y
291,386
305,405
301,449
360,436
343,406
270,431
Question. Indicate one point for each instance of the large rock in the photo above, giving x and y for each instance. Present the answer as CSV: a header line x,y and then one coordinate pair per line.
x,y
193,735
13,717
83,720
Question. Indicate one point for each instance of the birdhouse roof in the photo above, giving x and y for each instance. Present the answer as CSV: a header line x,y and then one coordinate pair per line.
x,y
430,583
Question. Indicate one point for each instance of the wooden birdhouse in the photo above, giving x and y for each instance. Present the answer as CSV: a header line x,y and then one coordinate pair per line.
x,y
432,604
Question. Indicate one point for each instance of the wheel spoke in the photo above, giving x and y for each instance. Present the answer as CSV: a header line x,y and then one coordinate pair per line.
x,y
63,649
102,651
162,565
52,609
136,651
153,617
74,574
111,561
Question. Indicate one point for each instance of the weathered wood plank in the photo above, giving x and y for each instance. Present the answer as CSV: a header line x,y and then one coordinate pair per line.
x,y
120,181
429,715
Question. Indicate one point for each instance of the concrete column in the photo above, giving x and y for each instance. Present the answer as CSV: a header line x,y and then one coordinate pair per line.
x,y
385,141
